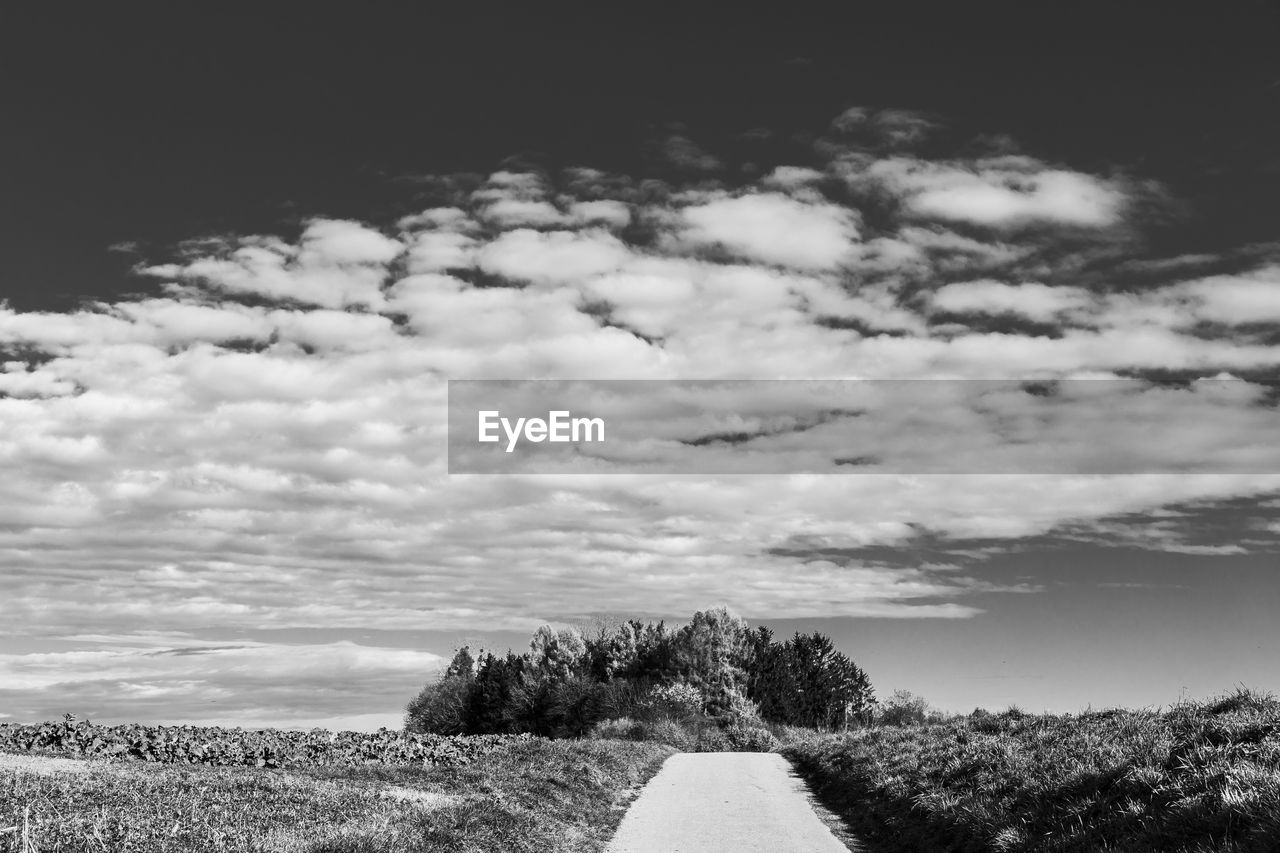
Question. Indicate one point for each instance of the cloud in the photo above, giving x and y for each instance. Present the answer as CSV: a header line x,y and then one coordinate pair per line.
x,y
774,229
328,241
1237,300
336,265
177,678
889,128
687,154
1004,192
555,256
1032,300
791,177
614,214
510,212
260,440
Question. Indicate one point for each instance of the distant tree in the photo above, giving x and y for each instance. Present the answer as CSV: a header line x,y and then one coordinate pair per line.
x,y
496,703
654,660
805,681
442,706
711,653
715,668
558,654
903,708
462,665
770,680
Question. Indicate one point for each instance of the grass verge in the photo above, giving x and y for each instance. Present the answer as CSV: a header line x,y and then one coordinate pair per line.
x,y
1199,777
537,795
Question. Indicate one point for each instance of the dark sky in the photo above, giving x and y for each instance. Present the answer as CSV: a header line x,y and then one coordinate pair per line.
x,y
137,126
156,123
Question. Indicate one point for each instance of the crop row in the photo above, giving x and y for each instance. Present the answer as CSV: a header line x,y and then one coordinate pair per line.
x,y
258,748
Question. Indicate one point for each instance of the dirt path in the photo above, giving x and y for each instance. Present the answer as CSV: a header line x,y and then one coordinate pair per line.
x,y
724,801
44,764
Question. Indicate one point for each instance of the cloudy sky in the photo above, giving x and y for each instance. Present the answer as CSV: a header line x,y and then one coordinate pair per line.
x,y
244,255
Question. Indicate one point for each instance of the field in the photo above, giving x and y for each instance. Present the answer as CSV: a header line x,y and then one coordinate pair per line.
x,y
1202,776
280,791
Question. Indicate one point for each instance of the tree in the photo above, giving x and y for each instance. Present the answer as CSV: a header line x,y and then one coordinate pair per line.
x,y
770,681
462,665
558,654
441,707
903,708
710,654
805,681
492,706
831,689
723,669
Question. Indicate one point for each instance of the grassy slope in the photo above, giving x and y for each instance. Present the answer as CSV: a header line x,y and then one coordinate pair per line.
x,y
1200,777
535,796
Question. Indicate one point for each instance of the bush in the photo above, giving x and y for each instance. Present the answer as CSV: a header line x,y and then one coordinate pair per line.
x,y
670,733
1201,776
441,708
741,711
621,698
678,701
623,728
903,709
750,739
712,739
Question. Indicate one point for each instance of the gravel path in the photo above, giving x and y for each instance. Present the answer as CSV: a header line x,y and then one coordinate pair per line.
x,y
746,802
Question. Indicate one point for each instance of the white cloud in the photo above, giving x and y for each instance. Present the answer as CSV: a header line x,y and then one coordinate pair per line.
x,y
510,212
334,270
330,241
1237,300
774,229
614,214
179,322
198,457
179,679
1032,300
554,256
791,177
1002,192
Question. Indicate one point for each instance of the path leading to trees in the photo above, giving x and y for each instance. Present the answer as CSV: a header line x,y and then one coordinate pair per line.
x,y
705,802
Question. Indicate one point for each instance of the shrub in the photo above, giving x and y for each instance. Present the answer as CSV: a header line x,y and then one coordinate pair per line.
x,y
623,728
622,698
441,708
678,701
670,733
712,739
1201,776
750,739
903,709
741,711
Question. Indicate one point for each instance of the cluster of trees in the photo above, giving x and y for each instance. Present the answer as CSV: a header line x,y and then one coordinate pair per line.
x,y
567,682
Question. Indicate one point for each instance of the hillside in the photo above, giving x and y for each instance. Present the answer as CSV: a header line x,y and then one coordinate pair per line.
x,y
1201,776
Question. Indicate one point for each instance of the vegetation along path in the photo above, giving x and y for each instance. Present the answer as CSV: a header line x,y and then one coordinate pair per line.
x,y
724,801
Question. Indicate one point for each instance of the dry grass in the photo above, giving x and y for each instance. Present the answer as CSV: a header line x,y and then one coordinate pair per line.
x,y
1199,777
537,795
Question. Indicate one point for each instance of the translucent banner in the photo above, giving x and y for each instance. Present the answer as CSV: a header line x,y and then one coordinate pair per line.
x,y
876,426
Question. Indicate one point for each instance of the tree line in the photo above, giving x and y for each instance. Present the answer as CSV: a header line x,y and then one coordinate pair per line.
x,y
715,666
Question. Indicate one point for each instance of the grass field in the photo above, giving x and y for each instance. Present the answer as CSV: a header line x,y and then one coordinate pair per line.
x,y
536,795
1202,776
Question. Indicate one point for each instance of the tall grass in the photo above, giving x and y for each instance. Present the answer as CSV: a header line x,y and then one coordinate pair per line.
x,y
1198,777
537,795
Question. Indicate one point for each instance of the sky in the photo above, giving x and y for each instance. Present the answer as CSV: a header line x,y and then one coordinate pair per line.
x,y
243,253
